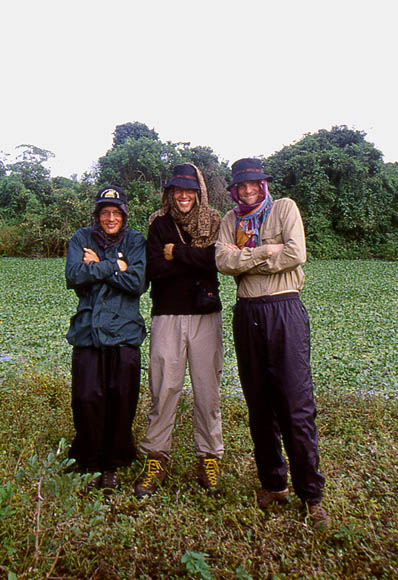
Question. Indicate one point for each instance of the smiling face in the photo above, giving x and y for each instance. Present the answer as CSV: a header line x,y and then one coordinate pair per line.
x,y
184,198
111,219
249,192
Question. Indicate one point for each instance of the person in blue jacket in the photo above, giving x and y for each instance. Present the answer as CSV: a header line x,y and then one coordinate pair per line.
x,y
105,266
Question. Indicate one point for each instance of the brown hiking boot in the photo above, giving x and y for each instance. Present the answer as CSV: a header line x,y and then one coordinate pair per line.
x,y
93,482
154,475
319,518
109,481
209,473
265,497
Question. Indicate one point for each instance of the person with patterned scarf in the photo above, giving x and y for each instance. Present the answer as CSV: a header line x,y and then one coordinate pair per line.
x,y
105,266
186,327
262,244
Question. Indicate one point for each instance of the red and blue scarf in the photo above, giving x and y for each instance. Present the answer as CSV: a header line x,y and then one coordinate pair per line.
x,y
249,218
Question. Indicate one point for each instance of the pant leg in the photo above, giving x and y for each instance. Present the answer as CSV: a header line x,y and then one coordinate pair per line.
x,y
105,389
88,406
289,362
168,358
123,366
206,356
252,356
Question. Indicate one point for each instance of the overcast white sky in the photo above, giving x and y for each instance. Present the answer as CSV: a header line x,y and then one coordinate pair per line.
x,y
243,77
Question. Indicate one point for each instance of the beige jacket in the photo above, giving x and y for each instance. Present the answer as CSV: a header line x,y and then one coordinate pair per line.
x,y
256,273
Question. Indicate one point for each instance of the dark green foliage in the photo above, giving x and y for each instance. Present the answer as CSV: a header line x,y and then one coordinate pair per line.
x,y
143,159
39,214
347,198
29,169
33,226
196,564
391,185
132,131
143,199
137,155
13,196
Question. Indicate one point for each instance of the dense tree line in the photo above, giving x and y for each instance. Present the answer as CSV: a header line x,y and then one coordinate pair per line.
x,y
347,195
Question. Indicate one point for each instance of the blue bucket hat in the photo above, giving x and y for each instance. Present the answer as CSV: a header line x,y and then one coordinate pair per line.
x,y
248,169
184,176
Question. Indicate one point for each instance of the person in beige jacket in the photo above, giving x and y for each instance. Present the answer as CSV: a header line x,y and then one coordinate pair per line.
x,y
262,244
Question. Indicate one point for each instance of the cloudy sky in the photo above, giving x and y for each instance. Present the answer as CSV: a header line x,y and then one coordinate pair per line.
x,y
243,77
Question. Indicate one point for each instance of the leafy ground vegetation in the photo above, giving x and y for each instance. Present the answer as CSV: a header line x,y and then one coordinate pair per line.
x,y
48,530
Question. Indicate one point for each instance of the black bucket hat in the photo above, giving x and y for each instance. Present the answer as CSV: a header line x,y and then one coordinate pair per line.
x,y
184,176
248,169
112,195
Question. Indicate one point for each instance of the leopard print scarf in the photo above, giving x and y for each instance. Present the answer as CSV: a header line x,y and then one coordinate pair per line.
x,y
202,223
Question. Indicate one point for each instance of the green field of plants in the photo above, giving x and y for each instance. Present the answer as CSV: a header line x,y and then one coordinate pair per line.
x,y
49,530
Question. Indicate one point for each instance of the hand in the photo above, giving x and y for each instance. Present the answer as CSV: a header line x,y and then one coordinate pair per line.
x,y
90,256
274,248
231,246
122,265
168,251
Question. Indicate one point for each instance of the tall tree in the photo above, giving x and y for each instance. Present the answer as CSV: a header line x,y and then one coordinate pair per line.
x,y
33,154
391,184
338,181
30,170
142,159
132,131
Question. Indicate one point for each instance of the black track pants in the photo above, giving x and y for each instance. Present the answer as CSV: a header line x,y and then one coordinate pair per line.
x,y
272,342
105,389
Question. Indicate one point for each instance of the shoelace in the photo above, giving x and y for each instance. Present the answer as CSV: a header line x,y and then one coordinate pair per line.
x,y
154,466
212,470
109,479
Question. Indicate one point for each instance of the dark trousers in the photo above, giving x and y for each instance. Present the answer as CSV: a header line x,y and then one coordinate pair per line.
x,y
105,389
272,341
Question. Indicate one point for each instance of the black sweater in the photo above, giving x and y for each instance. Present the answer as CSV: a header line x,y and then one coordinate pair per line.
x,y
174,282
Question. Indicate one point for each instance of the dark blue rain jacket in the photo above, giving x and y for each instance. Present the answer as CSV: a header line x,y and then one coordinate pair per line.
x,y
108,310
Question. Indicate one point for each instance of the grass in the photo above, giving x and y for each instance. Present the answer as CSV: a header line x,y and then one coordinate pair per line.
x,y
48,530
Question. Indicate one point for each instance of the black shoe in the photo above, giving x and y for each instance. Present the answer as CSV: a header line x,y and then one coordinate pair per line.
x,y
93,482
110,481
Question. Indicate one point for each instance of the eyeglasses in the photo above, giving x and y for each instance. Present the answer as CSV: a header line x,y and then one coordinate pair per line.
x,y
107,214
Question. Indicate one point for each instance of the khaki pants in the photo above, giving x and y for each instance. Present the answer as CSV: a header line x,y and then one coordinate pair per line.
x,y
174,340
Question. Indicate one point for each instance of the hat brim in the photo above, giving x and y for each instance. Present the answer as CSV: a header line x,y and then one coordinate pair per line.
x,y
184,183
109,202
249,177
